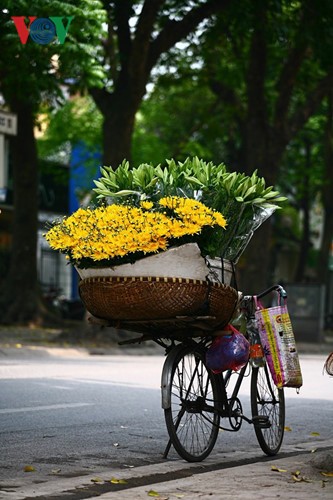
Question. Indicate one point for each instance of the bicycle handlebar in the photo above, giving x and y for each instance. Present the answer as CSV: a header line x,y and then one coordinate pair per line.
x,y
278,288
247,299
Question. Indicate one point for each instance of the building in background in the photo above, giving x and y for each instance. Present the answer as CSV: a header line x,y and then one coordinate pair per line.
x,y
8,128
84,168
64,181
53,272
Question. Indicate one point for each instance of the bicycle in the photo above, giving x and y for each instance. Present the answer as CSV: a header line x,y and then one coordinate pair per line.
x,y
195,400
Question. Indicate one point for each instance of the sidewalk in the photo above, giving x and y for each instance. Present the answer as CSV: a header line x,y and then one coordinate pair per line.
x,y
298,477
302,472
23,341
39,340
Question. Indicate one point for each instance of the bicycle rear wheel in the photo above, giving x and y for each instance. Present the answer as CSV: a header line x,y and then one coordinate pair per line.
x,y
267,401
192,419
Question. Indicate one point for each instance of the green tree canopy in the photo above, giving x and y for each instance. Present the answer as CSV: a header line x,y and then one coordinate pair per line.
x,y
31,74
139,32
267,65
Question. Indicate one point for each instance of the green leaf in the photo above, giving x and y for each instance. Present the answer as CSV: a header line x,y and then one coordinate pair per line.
x,y
125,192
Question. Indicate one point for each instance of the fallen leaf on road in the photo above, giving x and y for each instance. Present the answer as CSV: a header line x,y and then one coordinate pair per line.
x,y
315,434
296,476
55,471
152,493
97,480
114,480
276,469
116,445
29,468
328,474
287,429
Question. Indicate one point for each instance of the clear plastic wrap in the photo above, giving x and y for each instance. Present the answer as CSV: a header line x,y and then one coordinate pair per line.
x,y
240,229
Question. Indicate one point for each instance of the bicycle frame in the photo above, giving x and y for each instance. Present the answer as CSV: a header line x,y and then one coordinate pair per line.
x,y
226,409
191,390
226,406
166,373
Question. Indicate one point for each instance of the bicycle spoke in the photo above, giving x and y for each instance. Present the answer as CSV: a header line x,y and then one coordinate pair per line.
x,y
267,401
192,420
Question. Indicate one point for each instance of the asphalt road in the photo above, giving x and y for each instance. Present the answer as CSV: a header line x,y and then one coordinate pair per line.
x,y
78,415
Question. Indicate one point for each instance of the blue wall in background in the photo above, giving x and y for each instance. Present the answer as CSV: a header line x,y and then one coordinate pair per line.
x,y
84,168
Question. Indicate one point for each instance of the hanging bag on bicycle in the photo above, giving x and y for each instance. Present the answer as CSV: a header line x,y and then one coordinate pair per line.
x,y
278,341
228,352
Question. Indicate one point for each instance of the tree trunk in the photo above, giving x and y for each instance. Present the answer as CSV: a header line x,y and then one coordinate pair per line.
x,y
119,110
326,243
132,57
305,206
255,273
305,243
118,128
255,269
326,246
19,297
266,130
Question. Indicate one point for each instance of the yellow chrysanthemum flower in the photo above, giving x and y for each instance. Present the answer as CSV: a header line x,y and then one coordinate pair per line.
x,y
119,230
147,205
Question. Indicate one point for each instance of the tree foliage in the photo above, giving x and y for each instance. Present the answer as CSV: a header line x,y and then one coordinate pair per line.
x,y
37,72
271,77
32,74
139,32
76,121
234,81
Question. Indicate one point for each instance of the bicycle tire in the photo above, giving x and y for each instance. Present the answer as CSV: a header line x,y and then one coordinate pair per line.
x,y
192,419
267,401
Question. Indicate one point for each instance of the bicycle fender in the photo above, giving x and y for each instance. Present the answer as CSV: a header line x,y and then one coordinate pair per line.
x,y
166,376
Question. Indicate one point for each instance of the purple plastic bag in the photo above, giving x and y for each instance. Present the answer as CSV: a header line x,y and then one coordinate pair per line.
x,y
228,352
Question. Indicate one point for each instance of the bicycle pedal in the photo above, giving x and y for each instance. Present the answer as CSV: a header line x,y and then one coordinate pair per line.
x,y
262,422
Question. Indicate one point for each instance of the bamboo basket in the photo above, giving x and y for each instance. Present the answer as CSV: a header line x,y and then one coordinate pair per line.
x,y
147,299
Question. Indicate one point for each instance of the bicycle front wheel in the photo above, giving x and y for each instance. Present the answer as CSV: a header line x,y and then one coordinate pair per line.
x,y
268,410
192,419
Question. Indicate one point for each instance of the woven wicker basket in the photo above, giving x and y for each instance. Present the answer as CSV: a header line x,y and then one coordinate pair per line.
x,y
153,298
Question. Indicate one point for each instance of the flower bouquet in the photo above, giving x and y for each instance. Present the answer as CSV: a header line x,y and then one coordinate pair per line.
x,y
245,201
145,253
152,241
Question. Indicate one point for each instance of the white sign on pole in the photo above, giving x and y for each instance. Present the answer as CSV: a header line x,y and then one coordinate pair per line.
x,y
8,123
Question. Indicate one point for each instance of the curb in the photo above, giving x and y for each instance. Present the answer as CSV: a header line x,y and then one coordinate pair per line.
x,y
18,350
